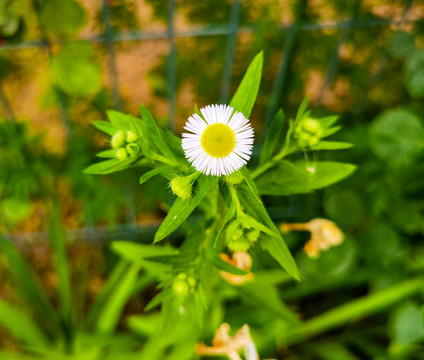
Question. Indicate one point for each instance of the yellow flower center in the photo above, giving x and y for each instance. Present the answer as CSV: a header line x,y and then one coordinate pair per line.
x,y
218,140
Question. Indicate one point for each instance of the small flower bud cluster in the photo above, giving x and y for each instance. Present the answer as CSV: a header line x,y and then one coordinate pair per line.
x,y
126,144
308,133
183,285
240,235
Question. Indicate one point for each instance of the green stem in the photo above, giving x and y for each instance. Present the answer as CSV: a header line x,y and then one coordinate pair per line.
x,y
167,161
286,150
236,199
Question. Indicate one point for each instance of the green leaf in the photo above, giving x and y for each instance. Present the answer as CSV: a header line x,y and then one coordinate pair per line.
x,y
353,310
122,121
164,170
109,166
397,135
61,18
275,244
13,210
286,178
273,137
158,299
331,145
106,127
58,245
28,287
221,264
77,77
267,297
414,73
111,312
156,260
181,209
302,109
174,143
107,154
332,351
245,96
131,250
154,134
328,121
408,324
20,325
250,183
401,44
112,282
330,131
228,217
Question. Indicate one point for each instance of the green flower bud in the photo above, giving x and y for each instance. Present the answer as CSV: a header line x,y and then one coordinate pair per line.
x,y
241,244
303,140
180,287
311,126
121,154
237,234
234,178
133,149
182,186
246,225
118,140
192,283
131,137
313,140
253,235
182,276
297,130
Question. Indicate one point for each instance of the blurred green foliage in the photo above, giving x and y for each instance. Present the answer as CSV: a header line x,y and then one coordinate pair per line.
x,y
361,300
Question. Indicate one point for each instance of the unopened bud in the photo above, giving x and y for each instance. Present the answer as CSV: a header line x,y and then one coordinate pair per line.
x,y
311,126
237,234
303,139
241,244
313,140
121,154
246,225
118,140
253,235
133,149
182,186
234,178
180,287
131,137
191,281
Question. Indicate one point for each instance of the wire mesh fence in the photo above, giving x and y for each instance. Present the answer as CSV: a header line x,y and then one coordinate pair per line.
x,y
290,35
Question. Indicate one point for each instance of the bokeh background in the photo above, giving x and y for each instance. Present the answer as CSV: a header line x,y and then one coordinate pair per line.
x,y
63,63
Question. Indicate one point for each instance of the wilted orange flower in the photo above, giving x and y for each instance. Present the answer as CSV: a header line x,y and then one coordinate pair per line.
x,y
324,234
224,344
241,260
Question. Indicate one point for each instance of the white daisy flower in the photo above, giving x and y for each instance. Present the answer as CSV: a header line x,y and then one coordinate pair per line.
x,y
219,144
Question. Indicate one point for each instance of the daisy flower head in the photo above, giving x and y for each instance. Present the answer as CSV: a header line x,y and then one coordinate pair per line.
x,y
220,143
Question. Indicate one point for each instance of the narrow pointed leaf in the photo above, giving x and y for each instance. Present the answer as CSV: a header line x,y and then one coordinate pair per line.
x,y
275,244
245,96
106,127
20,325
273,138
154,134
221,264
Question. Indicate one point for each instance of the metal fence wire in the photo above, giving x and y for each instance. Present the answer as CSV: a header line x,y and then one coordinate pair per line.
x,y
232,29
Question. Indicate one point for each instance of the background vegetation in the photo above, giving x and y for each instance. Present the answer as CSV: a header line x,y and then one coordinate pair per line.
x,y
64,63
